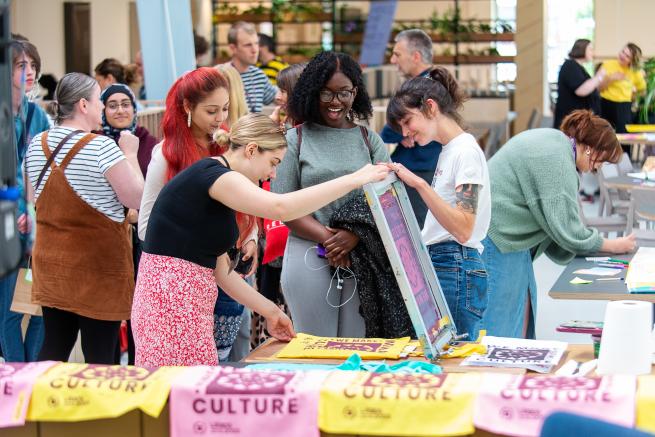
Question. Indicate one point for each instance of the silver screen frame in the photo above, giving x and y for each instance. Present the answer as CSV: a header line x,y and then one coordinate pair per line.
x,y
448,332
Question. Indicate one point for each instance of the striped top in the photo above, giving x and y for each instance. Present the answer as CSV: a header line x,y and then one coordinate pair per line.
x,y
272,68
85,172
259,91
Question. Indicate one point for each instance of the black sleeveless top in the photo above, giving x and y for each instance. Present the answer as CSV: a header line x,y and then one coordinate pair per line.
x,y
187,223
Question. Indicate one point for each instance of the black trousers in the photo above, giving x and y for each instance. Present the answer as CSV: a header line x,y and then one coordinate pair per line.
x,y
618,114
99,337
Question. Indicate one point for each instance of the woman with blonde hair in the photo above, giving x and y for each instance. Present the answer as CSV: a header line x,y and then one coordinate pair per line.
x,y
622,79
193,231
238,107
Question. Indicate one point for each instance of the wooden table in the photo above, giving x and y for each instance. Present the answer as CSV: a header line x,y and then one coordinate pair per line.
x,y
627,183
638,143
597,290
266,352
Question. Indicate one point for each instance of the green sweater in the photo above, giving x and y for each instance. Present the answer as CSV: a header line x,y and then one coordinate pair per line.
x,y
534,189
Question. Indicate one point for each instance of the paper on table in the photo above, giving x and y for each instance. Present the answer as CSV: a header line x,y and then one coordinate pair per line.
x,y
577,281
598,271
642,175
597,258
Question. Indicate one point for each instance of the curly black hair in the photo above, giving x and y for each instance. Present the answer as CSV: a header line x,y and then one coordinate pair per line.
x,y
304,103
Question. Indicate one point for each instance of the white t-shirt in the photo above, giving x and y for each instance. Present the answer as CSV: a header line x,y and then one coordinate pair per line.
x,y
461,162
86,171
155,181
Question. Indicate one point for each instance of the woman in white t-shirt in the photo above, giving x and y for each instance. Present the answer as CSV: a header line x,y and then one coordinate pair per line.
x,y
459,200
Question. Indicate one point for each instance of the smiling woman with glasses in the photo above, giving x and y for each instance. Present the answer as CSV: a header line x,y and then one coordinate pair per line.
x,y
327,100
119,116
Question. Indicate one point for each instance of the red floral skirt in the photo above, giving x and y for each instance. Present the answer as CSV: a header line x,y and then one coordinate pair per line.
x,y
173,313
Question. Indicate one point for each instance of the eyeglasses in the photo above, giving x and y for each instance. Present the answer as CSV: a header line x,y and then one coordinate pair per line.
x,y
113,106
343,96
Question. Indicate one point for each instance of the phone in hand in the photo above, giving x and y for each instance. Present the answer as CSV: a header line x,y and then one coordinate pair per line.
x,y
243,267
320,251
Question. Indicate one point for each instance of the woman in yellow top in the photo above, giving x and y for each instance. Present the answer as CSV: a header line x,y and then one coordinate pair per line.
x,y
621,79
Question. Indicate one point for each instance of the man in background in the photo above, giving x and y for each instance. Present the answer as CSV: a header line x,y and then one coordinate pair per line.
x,y
244,45
412,54
269,62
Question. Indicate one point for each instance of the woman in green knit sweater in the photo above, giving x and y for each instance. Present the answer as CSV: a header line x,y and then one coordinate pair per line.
x,y
534,210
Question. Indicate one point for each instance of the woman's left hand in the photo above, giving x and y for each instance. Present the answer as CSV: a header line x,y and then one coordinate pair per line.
x,y
409,178
340,244
249,250
279,326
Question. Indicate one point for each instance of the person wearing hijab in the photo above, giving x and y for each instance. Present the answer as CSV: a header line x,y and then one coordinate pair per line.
x,y
120,124
119,116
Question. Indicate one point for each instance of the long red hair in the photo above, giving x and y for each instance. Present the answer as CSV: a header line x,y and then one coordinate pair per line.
x,y
179,147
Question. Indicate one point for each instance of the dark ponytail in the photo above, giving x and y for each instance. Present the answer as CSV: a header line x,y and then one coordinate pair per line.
x,y
439,86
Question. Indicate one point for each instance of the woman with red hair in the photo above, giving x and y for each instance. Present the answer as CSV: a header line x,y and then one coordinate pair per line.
x,y
196,106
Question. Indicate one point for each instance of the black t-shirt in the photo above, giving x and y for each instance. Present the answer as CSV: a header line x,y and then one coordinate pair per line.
x,y
187,223
571,76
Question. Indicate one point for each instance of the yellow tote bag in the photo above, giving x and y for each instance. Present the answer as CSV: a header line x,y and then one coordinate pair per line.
x,y
401,404
646,403
309,346
71,392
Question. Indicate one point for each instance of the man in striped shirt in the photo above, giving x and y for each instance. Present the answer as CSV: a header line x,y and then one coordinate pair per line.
x,y
244,44
269,62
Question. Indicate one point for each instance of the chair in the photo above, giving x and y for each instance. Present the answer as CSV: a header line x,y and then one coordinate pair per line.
x,y
642,207
604,225
535,119
610,203
625,165
572,425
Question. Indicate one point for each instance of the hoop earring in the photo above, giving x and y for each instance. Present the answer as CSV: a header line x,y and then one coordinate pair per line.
x,y
188,119
351,115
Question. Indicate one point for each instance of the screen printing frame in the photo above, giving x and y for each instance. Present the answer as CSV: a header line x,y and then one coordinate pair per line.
x,y
432,338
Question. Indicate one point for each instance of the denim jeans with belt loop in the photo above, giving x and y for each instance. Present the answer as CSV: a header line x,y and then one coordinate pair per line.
x,y
463,279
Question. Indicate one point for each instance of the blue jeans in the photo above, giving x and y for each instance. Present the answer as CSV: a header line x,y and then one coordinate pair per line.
x,y
512,286
463,279
14,349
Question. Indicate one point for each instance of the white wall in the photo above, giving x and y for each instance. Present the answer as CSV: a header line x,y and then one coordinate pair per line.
x,y
622,21
42,22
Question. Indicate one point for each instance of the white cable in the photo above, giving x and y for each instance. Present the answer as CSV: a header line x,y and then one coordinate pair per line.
x,y
337,275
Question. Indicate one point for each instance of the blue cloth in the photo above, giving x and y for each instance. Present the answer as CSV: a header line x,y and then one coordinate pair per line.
x,y
13,347
463,279
511,283
227,320
355,363
571,425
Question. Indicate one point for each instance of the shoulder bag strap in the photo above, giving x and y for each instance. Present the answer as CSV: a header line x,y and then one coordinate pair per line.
x,y
299,133
51,156
366,140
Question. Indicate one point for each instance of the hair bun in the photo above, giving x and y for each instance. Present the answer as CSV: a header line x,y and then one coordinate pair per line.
x,y
221,137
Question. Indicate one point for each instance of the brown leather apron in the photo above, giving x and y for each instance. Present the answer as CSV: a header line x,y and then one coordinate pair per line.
x,y
82,260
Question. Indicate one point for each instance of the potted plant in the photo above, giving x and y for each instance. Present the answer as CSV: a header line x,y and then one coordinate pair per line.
x,y
646,102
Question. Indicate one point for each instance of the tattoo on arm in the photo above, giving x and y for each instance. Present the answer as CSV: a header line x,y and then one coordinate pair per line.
x,y
467,197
